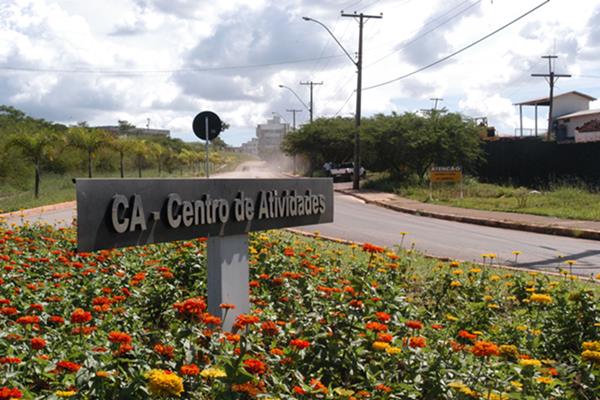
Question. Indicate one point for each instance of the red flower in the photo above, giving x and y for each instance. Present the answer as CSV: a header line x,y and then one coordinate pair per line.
x,y
80,316
384,337
190,369
37,343
8,310
67,366
417,341
382,388
466,335
299,344
437,326
10,393
269,328
119,337
28,320
371,248
164,350
383,316
194,307
55,319
318,386
255,366
10,360
288,251
414,324
299,390
227,306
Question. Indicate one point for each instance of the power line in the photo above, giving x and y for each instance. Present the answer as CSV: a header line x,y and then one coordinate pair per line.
x,y
344,105
411,41
161,71
458,51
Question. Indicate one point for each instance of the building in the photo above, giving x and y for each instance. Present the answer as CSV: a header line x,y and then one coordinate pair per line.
x,y
250,147
135,131
570,111
270,136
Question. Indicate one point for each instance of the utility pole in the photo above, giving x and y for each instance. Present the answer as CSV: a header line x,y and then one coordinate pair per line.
x,y
311,84
551,79
435,102
293,111
361,21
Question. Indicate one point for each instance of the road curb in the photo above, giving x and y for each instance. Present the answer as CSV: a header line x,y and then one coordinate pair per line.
x,y
445,259
38,210
549,230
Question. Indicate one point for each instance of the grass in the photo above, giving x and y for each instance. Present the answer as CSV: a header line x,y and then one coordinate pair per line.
x,y
561,201
56,188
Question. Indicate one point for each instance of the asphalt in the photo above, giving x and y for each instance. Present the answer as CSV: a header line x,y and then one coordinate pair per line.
x,y
522,222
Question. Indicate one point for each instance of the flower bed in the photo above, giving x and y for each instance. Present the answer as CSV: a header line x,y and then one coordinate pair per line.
x,y
328,321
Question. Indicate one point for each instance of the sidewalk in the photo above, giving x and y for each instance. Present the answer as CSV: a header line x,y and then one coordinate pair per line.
x,y
522,222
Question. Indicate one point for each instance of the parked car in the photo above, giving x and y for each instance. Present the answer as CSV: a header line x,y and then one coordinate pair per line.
x,y
344,172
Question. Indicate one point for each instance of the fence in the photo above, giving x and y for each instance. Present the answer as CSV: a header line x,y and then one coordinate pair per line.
x,y
531,161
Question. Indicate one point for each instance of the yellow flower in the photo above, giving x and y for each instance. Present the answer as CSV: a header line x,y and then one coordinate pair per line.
x,y
517,385
570,262
102,374
213,372
501,396
456,264
451,318
540,298
487,298
379,346
530,363
161,382
591,355
516,252
521,328
457,271
536,332
343,392
475,270
594,346
393,350
65,393
455,284
544,379
508,350
494,278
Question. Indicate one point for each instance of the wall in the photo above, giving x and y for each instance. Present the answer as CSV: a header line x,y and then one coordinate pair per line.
x,y
568,104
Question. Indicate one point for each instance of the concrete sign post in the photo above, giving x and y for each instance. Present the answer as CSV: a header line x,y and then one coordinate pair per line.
x,y
115,213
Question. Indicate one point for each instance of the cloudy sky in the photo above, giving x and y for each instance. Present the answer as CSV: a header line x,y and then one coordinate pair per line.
x,y
166,60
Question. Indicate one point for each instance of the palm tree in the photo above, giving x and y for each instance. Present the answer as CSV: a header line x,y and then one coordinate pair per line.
x,y
122,145
87,139
141,151
36,144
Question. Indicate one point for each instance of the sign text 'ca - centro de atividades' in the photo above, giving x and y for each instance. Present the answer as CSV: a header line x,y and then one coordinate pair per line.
x,y
123,212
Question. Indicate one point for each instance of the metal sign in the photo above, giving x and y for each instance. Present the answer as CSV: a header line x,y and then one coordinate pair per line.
x,y
445,174
207,124
127,212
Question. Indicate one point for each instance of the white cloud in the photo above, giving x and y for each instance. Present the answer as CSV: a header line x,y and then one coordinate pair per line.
x,y
160,42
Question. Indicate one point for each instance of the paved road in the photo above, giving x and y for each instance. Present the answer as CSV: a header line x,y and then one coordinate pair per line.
x,y
361,222
357,221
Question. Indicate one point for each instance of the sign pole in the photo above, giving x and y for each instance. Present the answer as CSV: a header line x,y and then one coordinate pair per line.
x,y
206,146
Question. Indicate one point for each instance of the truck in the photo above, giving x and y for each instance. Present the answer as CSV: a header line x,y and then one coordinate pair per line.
x,y
344,172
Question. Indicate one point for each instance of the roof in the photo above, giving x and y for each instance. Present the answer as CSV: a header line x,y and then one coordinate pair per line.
x,y
545,101
580,114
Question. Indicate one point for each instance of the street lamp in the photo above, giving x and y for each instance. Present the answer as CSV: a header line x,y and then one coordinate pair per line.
x,y
358,64
309,109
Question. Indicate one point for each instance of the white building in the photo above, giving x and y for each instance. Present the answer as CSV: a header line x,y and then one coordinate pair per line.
x,y
270,136
570,111
250,147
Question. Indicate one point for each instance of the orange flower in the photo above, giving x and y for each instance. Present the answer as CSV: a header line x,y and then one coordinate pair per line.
x,y
318,386
382,388
28,320
227,306
376,326
483,348
371,248
466,335
190,370
164,350
244,320
417,341
383,316
67,366
299,344
194,307
119,337
384,337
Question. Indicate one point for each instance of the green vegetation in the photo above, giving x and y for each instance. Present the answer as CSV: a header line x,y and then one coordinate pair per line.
x,y
38,159
561,201
400,144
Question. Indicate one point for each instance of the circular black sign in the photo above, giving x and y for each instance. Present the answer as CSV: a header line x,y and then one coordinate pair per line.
x,y
200,126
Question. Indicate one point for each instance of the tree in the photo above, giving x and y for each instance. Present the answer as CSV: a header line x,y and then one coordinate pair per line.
x,y
36,144
140,150
125,128
159,152
87,139
122,145
324,140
